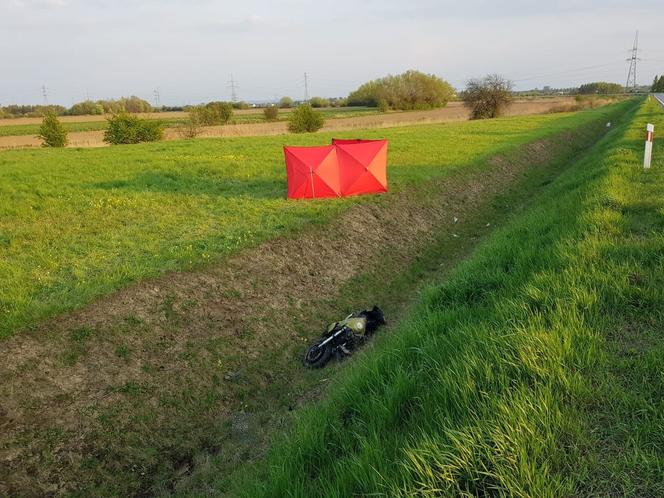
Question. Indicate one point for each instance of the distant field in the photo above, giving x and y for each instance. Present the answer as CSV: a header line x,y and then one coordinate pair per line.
x,y
94,123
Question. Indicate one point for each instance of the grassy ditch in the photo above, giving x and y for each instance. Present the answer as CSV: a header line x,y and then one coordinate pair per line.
x,y
469,223
171,384
534,370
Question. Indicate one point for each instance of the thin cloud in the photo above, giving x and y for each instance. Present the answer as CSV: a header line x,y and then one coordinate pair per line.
x,y
188,49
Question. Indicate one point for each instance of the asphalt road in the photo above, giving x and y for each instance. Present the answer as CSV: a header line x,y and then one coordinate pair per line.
x,y
660,98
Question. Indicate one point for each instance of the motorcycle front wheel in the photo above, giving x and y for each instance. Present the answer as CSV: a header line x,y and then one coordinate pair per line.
x,y
317,355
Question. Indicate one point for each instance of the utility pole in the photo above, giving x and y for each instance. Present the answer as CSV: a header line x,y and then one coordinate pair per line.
x,y
44,94
306,88
157,98
234,88
631,74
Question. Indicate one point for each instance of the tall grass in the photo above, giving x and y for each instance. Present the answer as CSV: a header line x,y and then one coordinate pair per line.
x,y
535,370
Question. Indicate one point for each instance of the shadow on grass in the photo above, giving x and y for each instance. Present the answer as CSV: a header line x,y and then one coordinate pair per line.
x,y
174,182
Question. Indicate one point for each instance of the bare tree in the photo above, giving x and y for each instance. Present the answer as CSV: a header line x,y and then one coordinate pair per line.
x,y
487,97
191,127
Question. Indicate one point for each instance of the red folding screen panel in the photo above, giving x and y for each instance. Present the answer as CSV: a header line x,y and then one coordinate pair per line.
x,y
312,172
347,167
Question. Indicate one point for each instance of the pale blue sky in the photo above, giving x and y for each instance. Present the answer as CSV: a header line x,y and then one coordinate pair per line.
x,y
188,49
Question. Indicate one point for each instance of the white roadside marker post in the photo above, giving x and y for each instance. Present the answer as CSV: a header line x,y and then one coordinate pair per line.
x,y
650,130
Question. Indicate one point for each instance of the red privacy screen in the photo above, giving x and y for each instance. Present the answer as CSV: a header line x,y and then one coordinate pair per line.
x,y
347,167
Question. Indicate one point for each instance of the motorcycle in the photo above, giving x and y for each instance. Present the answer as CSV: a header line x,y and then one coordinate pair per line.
x,y
341,338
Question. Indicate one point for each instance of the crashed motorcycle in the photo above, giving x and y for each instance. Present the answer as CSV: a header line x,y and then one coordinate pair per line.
x,y
341,338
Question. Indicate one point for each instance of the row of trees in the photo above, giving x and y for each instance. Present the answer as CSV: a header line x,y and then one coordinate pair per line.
x,y
287,102
600,88
19,111
131,104
658,84
135,104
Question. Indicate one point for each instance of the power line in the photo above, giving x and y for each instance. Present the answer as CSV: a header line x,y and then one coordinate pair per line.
x,y
157,98
631,74
568,71
44,94
234,88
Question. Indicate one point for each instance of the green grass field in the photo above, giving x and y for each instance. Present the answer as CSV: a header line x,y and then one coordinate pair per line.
x,y
170,397
77,224
535,369
339,113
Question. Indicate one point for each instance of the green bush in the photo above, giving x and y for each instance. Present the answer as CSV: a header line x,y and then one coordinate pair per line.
x,y
286,102
51,131
214,113
131,104
271,113
134,104
305,120
407,91
123,128
87,107
319,102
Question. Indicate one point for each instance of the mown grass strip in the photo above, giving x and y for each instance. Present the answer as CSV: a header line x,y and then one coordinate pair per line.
x,y
535,370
